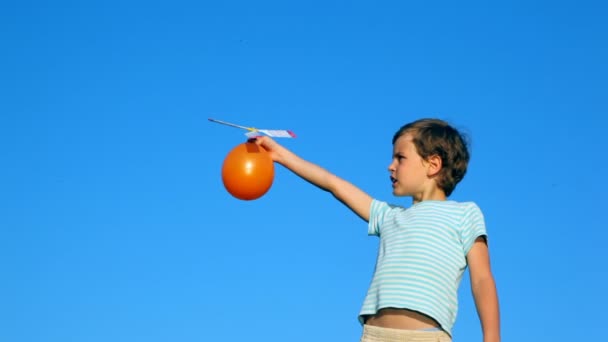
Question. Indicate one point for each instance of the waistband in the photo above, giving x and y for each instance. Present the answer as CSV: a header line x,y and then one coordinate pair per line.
x,y
401,335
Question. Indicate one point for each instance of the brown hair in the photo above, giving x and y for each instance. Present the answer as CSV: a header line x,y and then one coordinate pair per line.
x,y
436,137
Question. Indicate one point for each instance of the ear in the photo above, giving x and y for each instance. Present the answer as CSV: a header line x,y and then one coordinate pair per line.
x,y
434,165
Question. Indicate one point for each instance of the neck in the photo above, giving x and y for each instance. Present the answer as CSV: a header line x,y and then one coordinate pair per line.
x,y
434,194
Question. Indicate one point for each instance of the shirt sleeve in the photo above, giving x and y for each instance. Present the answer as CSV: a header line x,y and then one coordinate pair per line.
x,y
377,213
473,226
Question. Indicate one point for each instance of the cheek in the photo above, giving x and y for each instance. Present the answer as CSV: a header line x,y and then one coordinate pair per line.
x,y
402,170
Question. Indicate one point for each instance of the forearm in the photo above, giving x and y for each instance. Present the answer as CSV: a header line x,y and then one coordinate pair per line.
x,y
308,171
486,301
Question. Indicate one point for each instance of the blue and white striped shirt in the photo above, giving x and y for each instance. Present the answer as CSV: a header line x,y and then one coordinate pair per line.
x,y
421,256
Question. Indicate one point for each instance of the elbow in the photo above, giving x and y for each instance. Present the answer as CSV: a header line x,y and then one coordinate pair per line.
x,y
482,283
332,185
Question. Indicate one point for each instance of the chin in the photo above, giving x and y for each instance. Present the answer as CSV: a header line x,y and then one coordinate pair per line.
x,y
400,193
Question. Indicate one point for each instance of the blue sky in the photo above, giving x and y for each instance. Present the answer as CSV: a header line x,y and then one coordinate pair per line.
x,y
114,223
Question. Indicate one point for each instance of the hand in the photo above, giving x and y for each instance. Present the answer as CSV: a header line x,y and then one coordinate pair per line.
x,y
276,151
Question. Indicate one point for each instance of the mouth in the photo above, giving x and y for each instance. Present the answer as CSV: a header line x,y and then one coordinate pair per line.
x,y
393,181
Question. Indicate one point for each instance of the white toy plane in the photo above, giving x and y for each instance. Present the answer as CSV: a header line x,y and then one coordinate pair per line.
x,y
254,132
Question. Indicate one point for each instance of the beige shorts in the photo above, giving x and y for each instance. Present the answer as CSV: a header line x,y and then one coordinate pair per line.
x,y
377,334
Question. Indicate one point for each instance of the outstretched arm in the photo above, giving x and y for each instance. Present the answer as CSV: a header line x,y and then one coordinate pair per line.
x,y
353,197
484,290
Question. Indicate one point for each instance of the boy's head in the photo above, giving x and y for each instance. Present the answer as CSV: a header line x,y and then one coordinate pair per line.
x,y
433,137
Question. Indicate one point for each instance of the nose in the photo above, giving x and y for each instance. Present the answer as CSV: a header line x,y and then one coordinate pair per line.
x,y
391,166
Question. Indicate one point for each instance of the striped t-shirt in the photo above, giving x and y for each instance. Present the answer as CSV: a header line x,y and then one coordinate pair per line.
x,y
421,256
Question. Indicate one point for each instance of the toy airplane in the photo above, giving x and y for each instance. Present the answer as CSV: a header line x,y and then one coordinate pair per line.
x,y
254,132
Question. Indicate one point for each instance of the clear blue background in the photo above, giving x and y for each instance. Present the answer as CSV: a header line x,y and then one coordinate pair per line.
x,y
114,223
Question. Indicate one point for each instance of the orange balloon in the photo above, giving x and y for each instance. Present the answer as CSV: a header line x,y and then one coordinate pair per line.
x,y
248,171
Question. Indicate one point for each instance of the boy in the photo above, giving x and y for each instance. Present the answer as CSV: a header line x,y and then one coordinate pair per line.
x,y
424,249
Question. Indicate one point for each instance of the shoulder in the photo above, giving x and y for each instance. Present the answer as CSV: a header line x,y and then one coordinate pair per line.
x,y
462,212
449,205
383,204
471,208
468,207
382,208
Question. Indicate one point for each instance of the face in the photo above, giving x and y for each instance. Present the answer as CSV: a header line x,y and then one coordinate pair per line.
x,y
409,172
